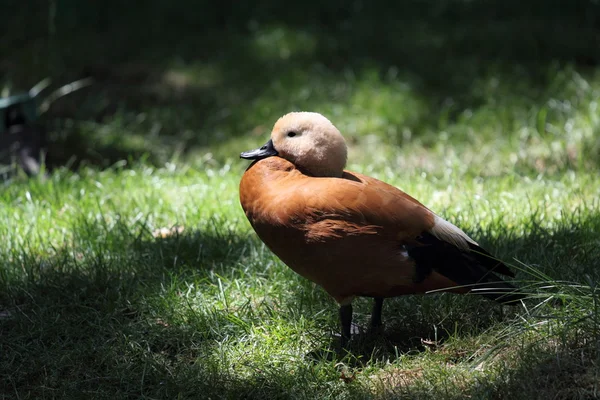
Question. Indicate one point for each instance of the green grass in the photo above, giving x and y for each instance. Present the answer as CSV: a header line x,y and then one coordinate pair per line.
x,y
494,129
93,304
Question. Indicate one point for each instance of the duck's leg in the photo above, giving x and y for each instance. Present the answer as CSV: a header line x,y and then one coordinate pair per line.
x,y
376,313
346,320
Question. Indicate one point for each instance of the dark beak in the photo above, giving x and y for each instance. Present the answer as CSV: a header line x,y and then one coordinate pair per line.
x,y
266,151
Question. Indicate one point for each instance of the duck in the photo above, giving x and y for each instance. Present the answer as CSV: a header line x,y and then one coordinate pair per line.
x,y
352,234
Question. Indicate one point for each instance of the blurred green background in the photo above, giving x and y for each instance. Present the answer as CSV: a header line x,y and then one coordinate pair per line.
x,y
190,77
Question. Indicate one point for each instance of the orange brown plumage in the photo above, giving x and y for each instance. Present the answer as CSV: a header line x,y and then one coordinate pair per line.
x,y
352,234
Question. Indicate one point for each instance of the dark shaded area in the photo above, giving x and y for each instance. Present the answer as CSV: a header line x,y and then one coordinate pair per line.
x,y
22,141
569,372
236,51
96,306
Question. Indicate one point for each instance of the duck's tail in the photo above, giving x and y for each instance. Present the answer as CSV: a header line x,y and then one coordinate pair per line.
x,y
474,269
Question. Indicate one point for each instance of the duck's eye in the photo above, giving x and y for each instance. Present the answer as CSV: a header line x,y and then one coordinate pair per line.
x,y
291,134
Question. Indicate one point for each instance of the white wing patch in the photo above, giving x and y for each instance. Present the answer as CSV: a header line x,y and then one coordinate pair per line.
x,y
444,230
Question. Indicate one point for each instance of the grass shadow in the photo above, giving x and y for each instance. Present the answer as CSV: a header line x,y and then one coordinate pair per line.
x,y
566,371
95,311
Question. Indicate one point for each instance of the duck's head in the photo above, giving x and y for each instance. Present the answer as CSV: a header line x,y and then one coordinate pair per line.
x,y
308,140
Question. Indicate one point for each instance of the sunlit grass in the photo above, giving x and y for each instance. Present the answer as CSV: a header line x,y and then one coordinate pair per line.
x,y
92,301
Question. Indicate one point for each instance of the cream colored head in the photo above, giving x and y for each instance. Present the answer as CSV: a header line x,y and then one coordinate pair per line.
x,y
311,142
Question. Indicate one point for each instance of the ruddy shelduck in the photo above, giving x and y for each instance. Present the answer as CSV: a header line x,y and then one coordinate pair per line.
x,y
352,234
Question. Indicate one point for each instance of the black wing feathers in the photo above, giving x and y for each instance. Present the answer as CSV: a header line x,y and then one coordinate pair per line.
x,y
475,269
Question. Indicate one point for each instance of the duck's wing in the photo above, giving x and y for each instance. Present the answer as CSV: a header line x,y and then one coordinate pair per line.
x,y
366,201
435,243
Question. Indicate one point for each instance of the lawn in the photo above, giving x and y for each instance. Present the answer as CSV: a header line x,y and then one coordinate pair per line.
x,y
132,272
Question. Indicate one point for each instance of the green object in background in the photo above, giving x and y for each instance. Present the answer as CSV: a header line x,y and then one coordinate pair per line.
x,y
28,102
